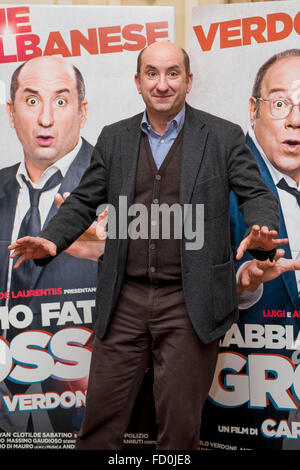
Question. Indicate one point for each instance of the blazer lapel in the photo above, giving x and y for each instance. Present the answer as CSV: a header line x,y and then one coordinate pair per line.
x,y
288,278
193,145
194,140
130,145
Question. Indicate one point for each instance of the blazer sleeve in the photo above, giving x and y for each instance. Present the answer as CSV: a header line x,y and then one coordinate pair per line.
x,y
78,211
256,201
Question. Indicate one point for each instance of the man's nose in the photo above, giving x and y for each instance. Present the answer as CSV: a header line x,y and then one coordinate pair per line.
x,y
162,83
46,117
293,119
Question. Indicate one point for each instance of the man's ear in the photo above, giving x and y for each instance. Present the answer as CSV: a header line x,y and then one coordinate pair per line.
x,y
10,113
83,112
252,110
137,82
189,82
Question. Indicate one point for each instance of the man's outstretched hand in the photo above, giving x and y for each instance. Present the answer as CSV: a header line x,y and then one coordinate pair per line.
x,y
256,272
31,248
260,238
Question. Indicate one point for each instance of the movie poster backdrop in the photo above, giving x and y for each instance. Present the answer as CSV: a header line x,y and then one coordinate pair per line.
x,y
254,400
46,327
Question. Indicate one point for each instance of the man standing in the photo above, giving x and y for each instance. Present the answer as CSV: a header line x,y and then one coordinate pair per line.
x,y
160,296
47,110
274,139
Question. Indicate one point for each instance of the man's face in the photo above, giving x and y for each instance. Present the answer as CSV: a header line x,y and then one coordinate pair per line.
x,y
280,138
162,81
46,114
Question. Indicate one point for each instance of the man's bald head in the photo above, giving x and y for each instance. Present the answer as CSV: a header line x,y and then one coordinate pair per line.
x,y
14,84
186,58
46,111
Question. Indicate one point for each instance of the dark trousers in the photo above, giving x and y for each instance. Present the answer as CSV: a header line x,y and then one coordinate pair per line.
x,y
148,321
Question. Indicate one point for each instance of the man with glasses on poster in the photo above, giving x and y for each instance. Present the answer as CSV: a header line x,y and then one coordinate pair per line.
x,y
274,139
47,110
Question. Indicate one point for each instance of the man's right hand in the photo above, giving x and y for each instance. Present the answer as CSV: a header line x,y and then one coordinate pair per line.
x,y
256,272
31,248
260,237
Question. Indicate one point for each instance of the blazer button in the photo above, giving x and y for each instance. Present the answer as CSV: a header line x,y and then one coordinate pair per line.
x,y
157,177
152,269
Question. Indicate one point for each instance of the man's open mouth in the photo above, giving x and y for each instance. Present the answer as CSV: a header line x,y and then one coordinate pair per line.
x,y
45,139
292,144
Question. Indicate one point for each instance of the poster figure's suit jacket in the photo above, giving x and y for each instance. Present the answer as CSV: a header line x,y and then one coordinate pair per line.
x,y
66,272
280,294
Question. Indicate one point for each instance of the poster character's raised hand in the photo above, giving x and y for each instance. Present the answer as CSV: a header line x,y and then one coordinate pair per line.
x,y
31,248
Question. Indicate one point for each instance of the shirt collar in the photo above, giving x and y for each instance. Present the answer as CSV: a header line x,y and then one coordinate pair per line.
x,y
176,123
276,174
62,164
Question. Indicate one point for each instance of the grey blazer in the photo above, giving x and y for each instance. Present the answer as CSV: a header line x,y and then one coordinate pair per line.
x,y
215,160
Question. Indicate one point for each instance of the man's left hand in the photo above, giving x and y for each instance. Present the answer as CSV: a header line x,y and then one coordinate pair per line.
x,y
260,238
257,272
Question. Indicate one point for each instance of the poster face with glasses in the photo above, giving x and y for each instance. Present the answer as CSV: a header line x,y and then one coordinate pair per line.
x,y
254,399
48,128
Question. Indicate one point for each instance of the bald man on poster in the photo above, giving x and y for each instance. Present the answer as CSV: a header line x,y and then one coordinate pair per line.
x,y
159,297
47,110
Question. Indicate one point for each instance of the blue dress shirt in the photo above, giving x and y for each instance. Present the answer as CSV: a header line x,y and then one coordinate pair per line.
x,y
161,144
